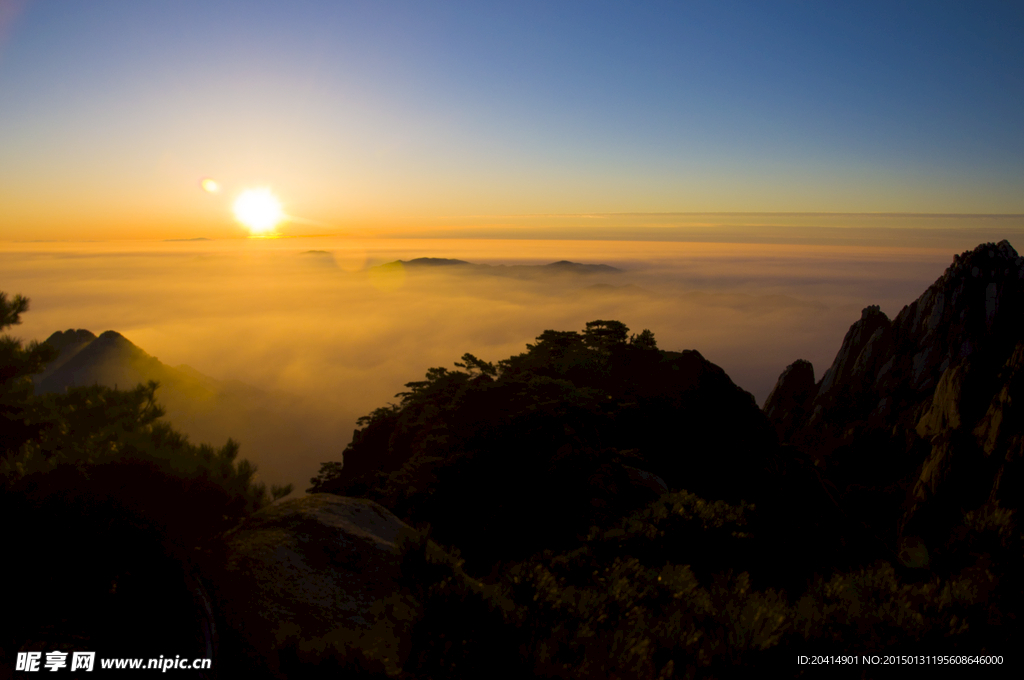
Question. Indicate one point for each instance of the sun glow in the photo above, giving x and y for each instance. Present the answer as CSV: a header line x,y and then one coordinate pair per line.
x,y
259,210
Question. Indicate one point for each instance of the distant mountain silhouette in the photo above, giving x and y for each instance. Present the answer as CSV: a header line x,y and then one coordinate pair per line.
x,y
112,360
516,270
919,417
577,268
432,262
267,424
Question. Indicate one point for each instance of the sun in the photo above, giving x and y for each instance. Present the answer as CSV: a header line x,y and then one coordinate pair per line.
x,y
258,210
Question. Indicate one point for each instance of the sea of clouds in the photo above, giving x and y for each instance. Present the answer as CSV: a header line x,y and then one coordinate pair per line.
x,y
314,319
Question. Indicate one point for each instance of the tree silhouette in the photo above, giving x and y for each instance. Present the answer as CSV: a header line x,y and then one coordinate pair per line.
x,y
17,365
603,336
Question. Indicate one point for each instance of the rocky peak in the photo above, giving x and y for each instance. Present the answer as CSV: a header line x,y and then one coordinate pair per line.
x,y
69,338
974,306
110,359
787,405
863,352
886,371
68,344
924,403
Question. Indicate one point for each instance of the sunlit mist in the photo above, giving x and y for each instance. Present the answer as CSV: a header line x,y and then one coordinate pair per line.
x,y
319,321
259,210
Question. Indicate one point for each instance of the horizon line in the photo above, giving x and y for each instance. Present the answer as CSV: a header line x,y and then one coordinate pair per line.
x,y
735,212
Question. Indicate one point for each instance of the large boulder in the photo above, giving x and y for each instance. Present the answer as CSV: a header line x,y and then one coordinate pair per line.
x,y
315,578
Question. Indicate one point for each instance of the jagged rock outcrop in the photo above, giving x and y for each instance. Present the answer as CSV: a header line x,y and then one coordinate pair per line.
x,y
974,454
787,405
890,369
311,577
864,351
1000,428
923,405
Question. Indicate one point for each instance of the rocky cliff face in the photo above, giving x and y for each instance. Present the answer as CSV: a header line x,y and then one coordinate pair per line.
x,y
787,405
921,408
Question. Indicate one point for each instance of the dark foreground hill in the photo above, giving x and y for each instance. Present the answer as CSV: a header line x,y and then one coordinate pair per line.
x,y
578,431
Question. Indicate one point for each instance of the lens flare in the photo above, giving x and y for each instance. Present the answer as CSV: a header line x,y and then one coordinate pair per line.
x,y
210,185
258,210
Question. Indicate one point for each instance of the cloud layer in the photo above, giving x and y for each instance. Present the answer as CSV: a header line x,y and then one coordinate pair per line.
x,y
313,317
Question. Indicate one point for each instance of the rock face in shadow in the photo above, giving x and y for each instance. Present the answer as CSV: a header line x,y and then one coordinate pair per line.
x,y
889,370
865,348
788,404
918,415
314,577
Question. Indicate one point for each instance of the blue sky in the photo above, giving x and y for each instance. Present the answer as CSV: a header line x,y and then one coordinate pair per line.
x,y
365,112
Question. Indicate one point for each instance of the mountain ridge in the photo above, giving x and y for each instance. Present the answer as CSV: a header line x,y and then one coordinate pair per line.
x,y
525,270
922,404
